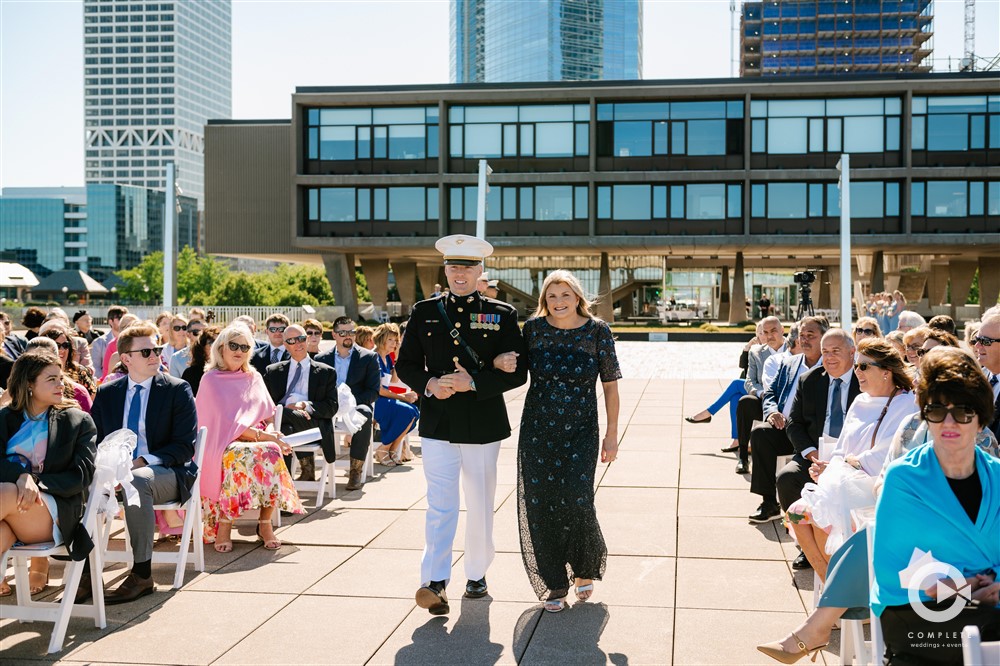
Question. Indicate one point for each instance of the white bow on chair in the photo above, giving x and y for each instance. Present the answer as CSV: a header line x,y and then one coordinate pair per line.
x,y
113,467
348,413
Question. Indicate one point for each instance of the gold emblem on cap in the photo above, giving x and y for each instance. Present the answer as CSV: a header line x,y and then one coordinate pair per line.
x,y
459,241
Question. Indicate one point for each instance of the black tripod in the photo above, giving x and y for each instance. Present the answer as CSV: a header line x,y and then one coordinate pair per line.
x,y
805,303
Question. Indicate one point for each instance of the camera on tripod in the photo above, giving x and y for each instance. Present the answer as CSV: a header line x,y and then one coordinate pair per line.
x,y
804,277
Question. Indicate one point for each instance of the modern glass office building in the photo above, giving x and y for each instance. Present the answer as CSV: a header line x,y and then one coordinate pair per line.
x,y
154,72
809,37
627,183
98,229
564,40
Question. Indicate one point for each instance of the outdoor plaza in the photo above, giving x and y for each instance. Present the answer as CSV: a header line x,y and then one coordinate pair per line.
x,y
688,580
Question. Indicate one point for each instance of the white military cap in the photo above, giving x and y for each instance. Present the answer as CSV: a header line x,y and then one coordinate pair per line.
x,y
494,283
463,250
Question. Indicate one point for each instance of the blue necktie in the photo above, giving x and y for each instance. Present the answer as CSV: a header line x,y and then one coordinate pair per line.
x,y
275,355
295,382
134,411
836,410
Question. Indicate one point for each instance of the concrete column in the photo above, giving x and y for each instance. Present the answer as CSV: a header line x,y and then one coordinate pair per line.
x,y
405,273
340,273
821,290
833,292
535,287
878,273
429,276
377,274
989,283
605,306
937,284
628,309
738,297
724,302
961,272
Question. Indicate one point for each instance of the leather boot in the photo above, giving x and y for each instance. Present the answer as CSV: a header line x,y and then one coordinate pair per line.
x,y
357,478
307,469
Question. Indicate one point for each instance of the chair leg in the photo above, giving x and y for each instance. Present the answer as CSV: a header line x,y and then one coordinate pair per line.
x,y
196,536
72,576
182,554
323,472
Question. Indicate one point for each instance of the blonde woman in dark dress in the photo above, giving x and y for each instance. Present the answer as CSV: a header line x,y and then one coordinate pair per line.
x,y
569,351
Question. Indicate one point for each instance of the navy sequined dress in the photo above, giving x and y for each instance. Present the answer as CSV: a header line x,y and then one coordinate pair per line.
x,y
558,450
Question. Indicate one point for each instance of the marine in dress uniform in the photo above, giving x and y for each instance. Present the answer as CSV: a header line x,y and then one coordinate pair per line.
x,y
447,357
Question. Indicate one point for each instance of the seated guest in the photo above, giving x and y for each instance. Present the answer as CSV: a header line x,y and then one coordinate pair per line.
x,y
6,362
100,345
163,322
248,321
396,413
201,350
308,391
936,338
896,340
986,348
866,327
314,336
748,407
33,318
13,344
869,425
243,468
358,368
274,350
49,446
81,348
71,390
365,337
77,373
160,410
84,324
178,338
942,323
180,361
912,341
770,437
737,388
942,498
909,320
111,355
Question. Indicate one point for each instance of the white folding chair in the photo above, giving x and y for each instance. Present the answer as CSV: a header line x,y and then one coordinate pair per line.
x,y
977,653
191,532
59,612
327,470
854,649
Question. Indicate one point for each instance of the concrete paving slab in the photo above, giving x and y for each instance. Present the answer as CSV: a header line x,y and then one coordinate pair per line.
x,y
649,469
712,503
720,637
407,533
764,586
321,630
337,526
741,541
477,631
637,581
189,628
709,470
655,501
291,569
393,488
373,572
503,492
594,633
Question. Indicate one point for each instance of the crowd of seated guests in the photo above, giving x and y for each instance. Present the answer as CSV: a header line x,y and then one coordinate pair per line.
x,y
144,377
920,437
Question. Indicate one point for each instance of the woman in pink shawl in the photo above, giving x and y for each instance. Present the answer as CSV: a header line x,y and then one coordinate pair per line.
x,y
243,468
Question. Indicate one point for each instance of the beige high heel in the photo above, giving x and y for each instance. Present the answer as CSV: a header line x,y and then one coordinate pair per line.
x,y
775,651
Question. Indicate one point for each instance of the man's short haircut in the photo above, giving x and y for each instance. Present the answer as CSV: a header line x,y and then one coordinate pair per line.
x,y
247,320
911,319
839,333
822,322
277,317
141,330
43,342
942,323
340,321
117,311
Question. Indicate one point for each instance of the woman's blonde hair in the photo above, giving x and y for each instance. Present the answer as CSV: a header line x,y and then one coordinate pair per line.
x,y
362,334
870,322
385,331
230,333
564,277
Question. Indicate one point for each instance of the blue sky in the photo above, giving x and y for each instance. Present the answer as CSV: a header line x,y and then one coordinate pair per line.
x,y
281,44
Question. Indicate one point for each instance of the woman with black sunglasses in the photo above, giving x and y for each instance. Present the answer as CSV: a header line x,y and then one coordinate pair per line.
x,y
80,374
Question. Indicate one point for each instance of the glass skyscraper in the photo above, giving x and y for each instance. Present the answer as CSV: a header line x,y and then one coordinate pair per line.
x,y
810,37
496,41
154,73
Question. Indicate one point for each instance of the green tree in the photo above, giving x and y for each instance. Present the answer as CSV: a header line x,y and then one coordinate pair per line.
x,y
239,289
361,283
310,281
198,276
144,282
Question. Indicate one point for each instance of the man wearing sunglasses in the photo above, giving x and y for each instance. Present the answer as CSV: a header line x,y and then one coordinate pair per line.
x,y
160,410
275,350
308,391
358,368
986,346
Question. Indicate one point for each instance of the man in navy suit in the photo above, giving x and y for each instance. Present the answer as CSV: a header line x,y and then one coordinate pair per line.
x,y
160,410
274,351
308,391
358,368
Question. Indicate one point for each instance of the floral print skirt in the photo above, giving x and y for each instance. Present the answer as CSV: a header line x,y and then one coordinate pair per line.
x,y
253,476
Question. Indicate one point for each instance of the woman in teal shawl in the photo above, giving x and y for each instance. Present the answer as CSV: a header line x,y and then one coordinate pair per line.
x,y
942,498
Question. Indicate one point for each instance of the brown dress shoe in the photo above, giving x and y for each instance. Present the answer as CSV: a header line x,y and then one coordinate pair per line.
x,y
85,591
131,589
357,478
433,598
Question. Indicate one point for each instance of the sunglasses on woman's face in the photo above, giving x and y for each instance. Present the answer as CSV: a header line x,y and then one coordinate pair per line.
x,y
234,346
146,352
180,328
863,367
65,345
865,331
936,413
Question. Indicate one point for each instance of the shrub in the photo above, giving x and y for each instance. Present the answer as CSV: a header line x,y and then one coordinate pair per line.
x,y
709,328
750,328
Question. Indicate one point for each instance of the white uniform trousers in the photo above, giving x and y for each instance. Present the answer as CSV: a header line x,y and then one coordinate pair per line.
x,y
443,463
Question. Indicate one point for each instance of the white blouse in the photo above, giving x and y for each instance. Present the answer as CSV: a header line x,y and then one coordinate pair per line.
x,y
859,424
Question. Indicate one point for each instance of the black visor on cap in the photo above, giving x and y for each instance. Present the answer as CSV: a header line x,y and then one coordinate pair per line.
x,y
462,262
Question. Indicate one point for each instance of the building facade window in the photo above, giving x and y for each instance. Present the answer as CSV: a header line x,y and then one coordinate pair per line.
x,y
357,139
694,201
956,130
352,211
543,203
815,207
